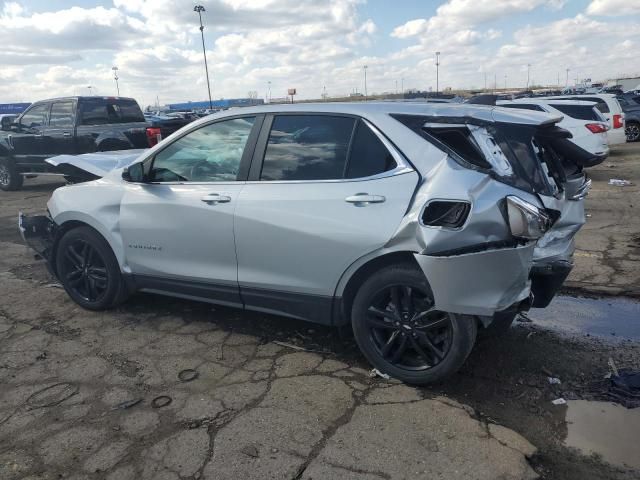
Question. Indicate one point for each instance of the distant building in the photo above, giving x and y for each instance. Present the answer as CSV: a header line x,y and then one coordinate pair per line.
x,y
629,83
229,103
13,108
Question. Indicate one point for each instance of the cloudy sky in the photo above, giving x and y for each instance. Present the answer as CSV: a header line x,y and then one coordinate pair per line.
x,y
59,47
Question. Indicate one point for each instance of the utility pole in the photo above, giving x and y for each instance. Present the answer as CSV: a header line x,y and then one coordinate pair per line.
x,y
269,91
505,81
495,82
200,9
365,82
437,73
485,81
115,77
402,86
528,71
396,87
567,82
89,87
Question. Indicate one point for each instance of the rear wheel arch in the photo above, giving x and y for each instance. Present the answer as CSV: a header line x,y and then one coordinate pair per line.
x,y
364,271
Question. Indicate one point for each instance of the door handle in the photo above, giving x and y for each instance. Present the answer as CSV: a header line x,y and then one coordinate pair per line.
x,y
364,199
214,198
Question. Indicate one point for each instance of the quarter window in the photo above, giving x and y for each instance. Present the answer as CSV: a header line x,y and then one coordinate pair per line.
x,y
307,147
35,117
368,155
210,154
61,115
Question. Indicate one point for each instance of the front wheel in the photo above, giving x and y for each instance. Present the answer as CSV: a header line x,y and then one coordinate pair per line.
x,y
88,269
632,130
401,334
10,179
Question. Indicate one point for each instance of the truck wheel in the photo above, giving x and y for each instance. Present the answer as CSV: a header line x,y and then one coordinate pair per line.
x,y
632,130
10,179
88,269
401,334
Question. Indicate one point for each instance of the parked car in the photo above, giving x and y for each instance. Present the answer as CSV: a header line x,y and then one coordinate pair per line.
x,y
161,125
609,106
69,125
630,103
416,224
587,125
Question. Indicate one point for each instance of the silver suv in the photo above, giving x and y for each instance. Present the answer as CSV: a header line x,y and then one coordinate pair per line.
x,y
416,224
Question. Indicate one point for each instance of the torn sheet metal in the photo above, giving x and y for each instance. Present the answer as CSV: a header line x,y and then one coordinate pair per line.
x,y
99,163
471,283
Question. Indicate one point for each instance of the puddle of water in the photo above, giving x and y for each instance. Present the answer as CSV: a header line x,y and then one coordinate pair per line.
x,y
610,317
604,428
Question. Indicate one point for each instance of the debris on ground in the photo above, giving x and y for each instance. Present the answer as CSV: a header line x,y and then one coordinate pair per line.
x,y
296,347
250,451
619,182
523,318
377,373
554,381
559,401
127,404
624,388
187,375
161,401
52,395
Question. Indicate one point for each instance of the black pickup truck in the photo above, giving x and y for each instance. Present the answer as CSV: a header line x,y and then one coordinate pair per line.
x,y
70,125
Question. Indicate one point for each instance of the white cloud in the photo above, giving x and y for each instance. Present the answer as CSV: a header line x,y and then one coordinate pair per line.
x,y
613,7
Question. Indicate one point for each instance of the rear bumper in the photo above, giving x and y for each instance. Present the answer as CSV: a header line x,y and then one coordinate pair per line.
x,y
479,283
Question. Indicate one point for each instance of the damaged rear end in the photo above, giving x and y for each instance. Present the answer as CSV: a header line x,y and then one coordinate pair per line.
x,y
495,220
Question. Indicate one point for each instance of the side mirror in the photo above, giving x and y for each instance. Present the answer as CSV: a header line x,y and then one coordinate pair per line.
x,y
134,173
8,123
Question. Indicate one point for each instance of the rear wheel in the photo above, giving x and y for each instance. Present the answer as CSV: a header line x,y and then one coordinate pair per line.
x,y
632,130
10,179
401,334
88,269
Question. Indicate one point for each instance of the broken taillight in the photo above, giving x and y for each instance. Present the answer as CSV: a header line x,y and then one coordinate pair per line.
x,y
617,121
596,127
154,135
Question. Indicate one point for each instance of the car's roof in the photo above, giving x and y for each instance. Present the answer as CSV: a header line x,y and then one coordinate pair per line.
x,y
83,97
547,101
459,111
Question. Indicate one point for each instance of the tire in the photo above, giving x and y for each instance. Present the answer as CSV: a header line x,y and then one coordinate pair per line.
x,y
88,269
632,130
436,344
10,179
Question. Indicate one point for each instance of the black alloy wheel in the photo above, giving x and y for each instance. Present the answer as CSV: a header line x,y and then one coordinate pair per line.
x,y
84,271
406,330
88,269
401,333
632,130
10,179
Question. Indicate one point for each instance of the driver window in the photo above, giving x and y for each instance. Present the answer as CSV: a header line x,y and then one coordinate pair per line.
x,y
35,117
210,154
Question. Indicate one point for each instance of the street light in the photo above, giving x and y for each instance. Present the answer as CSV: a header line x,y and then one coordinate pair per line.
x,y
528,69
115,77
200,9
365,81
567,82
89,87
269,91
437,73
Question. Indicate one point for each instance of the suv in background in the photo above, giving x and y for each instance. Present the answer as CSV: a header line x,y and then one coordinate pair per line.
x,y
631,106
70,125
610,108
587,125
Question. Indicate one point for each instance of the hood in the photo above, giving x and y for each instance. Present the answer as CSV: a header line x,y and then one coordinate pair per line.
x,y
94,165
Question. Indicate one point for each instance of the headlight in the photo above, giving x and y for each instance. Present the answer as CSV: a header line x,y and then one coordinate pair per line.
x,y
526,220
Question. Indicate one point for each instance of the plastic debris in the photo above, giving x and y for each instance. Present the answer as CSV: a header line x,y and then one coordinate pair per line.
x,y
161,401
559,401
619,182
187,375
377,373
127,404
554,381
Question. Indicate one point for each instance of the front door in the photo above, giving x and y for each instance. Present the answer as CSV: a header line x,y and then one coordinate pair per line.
x,y
177,227
27,140
329,190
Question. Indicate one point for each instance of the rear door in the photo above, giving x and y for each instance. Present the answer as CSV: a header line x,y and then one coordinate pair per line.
x,y
59,135
323,191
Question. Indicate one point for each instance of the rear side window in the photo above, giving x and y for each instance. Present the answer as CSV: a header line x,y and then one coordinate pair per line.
x,y
580,112
103,111
61,115
36,116
461,141
307,147
600,104
368,155
524,106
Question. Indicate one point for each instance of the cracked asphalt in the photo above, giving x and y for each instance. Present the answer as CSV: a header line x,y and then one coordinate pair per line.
x,y
82,393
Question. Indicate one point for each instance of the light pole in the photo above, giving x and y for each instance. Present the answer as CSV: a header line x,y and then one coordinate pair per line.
x,y
269,91
437,73
528,70
567,81
365,82
505,81
89,87
402,86
200,9
115,77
